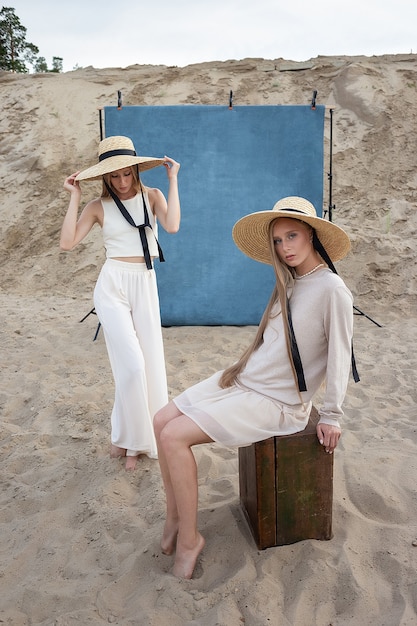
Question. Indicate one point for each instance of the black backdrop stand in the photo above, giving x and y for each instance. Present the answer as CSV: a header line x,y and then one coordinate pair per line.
x,y
92,312
100,123
332,206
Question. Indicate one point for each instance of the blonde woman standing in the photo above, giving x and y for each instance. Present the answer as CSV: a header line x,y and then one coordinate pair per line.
x,y
126,295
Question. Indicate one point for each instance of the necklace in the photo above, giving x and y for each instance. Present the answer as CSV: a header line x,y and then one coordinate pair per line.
x,y
311,271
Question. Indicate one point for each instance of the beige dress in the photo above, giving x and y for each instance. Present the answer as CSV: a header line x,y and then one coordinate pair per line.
x,y
266,401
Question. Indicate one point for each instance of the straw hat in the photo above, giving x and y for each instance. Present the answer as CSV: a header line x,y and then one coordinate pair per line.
x,y
251,233
115,153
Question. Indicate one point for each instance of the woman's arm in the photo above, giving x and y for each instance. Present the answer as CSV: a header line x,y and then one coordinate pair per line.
x,y
74,230
338,322
168,212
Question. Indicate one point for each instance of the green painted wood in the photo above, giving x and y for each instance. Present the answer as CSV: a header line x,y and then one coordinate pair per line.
x,y
286,488
257,470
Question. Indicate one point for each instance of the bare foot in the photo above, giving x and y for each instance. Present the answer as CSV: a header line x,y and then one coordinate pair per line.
x,y
186,559
131,462
116,452
169,538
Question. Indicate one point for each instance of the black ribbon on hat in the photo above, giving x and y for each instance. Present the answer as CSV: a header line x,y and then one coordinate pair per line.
x,y
120,152
141,227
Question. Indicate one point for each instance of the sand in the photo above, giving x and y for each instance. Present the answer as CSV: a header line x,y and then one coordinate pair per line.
x,y
79,534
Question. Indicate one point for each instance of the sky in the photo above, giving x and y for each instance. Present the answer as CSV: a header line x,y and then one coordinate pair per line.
x,y
182,32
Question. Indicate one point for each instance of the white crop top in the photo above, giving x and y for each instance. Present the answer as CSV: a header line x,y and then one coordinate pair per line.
x,y
120,238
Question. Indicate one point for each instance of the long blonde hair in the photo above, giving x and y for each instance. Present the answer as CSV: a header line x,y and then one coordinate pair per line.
x,y
284,283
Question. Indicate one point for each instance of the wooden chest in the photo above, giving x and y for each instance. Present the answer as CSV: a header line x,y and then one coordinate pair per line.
x,y
286,488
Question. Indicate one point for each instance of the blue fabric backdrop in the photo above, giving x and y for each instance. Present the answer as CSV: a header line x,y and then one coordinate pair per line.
x,y
233,162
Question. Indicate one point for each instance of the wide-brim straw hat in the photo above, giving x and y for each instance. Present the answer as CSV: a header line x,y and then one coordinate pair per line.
x,y
115,153
251,233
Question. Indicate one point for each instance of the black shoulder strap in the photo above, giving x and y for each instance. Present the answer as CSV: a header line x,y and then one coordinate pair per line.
x,y
295,353
141,227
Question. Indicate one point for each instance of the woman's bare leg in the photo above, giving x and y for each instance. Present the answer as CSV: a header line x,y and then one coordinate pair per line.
x,y
169,536
131,462
176,434
116,452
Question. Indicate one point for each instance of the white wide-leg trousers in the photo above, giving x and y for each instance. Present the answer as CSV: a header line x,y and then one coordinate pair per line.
x,y
127,305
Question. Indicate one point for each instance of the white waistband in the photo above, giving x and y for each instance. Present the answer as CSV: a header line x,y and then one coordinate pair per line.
x,y
125,265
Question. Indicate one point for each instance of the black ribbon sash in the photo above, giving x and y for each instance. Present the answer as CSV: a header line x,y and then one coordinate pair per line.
x,y
141,227
295,353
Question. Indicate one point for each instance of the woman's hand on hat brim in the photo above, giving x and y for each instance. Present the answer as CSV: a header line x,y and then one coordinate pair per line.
x,y
70,184
172,167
